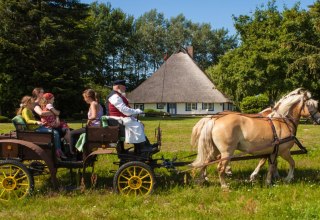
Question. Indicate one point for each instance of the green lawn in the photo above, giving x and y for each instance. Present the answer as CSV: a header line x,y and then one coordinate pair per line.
x,y
176,198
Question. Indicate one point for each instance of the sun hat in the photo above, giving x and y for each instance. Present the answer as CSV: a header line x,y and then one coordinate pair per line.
x,y
48,96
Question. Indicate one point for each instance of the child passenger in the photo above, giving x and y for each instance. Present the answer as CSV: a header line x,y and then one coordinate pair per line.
x,y
25,110
53,121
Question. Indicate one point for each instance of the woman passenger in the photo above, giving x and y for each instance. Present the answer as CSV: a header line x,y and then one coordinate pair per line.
x,y
25,110
37,95
94,114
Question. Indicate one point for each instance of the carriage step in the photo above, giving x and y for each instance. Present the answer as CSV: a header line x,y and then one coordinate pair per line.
x,y
70,164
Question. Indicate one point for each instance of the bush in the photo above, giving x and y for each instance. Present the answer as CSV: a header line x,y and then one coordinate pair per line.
x,y
154,113
4,119
254,104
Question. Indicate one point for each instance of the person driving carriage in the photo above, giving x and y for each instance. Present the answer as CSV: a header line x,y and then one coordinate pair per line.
x,y
118,108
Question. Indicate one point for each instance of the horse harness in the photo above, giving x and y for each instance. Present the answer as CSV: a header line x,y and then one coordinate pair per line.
x,y
276,141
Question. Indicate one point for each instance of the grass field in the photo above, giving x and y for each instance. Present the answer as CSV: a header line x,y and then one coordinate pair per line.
x,y
176,198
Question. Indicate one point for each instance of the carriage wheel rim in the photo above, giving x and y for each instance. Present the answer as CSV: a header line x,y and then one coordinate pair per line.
x,y
14,182
135,180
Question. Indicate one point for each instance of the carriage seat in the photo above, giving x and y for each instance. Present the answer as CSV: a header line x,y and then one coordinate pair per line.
x,y
43,139
109,121
19,123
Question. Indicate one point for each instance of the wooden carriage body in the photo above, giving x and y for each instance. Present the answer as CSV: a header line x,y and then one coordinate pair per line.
x,y
20,148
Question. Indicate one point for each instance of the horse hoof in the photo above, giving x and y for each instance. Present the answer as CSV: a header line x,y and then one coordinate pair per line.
x,y
200,182
225,188
252,178
288,180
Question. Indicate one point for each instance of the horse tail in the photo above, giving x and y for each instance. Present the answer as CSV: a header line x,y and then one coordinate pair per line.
x,y
206,147
196,130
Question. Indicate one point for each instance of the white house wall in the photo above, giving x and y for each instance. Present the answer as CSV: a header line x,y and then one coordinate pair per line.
x,y
181,108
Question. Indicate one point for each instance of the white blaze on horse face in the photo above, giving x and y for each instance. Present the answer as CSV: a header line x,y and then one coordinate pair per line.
x,y
312,110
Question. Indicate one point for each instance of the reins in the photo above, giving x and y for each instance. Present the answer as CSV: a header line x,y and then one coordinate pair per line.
x,y
158,131
240,155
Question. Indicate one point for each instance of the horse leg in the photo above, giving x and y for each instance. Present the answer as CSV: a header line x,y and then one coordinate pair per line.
x,y
276,174
287,156
228,170
272,167
258,168
256,171
202,175
222,169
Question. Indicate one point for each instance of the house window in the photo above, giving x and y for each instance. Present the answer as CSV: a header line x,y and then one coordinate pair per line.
x,y
160,105
139,106
208,106
191,106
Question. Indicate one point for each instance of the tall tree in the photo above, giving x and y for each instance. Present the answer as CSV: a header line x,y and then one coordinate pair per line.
x,y
44,41
151,27
305,44
261,63
111,43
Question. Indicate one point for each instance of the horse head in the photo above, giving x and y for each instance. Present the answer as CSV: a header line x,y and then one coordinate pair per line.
x,y
296,104
310,109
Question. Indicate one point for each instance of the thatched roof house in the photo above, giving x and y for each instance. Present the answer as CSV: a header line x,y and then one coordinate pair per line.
x,y
179,87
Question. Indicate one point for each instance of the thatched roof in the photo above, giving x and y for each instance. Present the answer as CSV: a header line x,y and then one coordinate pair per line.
x,y
178,80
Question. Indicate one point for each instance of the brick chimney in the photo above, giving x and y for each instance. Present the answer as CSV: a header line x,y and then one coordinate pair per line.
x,y
190,51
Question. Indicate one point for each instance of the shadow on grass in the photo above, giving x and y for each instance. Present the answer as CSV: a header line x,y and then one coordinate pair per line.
x,y
166,181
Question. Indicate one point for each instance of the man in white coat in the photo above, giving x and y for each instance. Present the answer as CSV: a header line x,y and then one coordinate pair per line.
x,y
119,109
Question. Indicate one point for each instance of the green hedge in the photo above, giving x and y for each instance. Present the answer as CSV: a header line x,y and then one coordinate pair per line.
x,y
154,113
254,104
4,119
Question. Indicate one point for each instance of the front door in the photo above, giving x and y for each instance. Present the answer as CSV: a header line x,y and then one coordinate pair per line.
x,y
172,108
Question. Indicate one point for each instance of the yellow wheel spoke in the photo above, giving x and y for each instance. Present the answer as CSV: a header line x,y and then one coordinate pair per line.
x,y
134,171
21,178
124,177
2,193
123,181
145,176
128,171
145,188
15,193
147,182
14,176
126,182
140,172
125,188
22,184
22,191
4,174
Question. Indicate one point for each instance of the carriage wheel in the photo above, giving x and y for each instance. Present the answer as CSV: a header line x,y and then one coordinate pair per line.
x,y
15,180
134,178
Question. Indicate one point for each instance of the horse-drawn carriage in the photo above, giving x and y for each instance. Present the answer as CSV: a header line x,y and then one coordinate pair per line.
x,y
25,154
217,138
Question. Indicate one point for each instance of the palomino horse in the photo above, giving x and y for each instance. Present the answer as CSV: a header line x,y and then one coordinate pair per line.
x,y
200,124
254,135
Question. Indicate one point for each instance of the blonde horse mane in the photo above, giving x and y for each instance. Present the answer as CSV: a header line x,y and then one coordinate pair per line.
x,y
282,107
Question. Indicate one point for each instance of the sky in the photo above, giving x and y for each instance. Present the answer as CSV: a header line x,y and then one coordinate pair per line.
x,y
216,12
